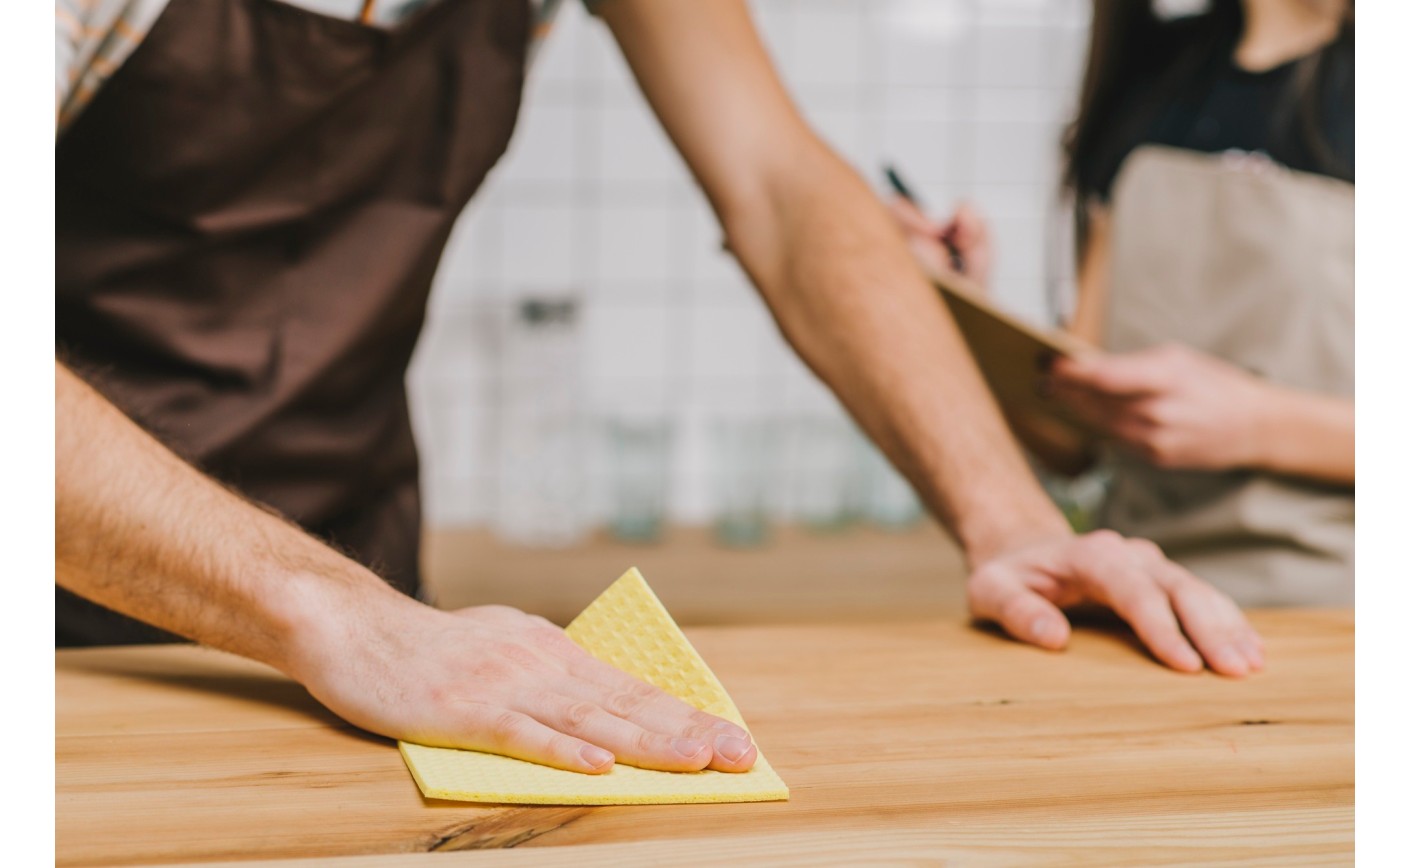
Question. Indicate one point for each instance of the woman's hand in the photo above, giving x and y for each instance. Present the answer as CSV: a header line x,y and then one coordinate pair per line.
x,y
931,242
494,679
1173,406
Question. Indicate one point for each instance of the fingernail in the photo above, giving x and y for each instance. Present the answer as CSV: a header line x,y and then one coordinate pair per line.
x,y
730,728
1045,630
731,748
595,756
1252,653
689,748
1230,661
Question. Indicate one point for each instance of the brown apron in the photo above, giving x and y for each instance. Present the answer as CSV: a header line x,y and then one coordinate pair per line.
x,y
249,215
1253,263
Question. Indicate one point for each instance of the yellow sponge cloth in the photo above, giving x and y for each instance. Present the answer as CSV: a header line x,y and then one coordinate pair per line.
x,y
629,628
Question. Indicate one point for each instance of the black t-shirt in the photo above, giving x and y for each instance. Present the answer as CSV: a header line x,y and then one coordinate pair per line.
x,y
1226,107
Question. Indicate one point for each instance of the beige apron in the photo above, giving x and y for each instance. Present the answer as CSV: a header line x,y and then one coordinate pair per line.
x,y
1252,263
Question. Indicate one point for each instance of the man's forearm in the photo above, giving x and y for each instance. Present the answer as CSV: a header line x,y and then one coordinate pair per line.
x,y
847,295
143,533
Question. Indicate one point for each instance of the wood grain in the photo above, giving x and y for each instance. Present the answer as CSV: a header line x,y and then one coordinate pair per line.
x,y
902,742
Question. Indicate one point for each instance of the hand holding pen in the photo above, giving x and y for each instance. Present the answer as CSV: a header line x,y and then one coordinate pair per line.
x,y
960,245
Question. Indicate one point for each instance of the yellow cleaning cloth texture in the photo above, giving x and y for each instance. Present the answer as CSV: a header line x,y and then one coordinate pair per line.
x,y
629,628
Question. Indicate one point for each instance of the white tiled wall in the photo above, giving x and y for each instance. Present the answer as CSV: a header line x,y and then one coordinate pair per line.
x,y
965,96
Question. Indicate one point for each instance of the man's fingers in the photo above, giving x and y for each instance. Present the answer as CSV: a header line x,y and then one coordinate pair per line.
x,y
630,743
1123,575
642,703
1022,612
1147,609
656,710
1214,623
512,733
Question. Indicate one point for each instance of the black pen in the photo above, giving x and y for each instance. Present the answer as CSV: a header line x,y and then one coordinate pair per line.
x,y
904,191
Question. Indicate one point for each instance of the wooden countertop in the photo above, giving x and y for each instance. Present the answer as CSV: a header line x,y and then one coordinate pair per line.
x,y
901,741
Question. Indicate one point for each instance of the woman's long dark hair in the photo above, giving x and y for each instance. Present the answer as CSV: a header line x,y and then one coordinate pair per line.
x,y
1132,45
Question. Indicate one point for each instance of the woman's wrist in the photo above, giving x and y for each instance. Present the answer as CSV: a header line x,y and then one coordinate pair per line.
x,y
1289,426
1270,429
1305,434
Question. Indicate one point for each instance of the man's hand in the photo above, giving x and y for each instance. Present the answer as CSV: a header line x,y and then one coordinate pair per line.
x,y
492,678
848,296
1185,622
140,531
1173,406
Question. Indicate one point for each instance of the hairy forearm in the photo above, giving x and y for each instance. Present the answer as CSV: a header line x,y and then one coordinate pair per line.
x,y
143,533
1309,435
840,282
833,268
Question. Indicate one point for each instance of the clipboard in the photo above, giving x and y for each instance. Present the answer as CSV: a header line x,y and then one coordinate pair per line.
x,y
1012,355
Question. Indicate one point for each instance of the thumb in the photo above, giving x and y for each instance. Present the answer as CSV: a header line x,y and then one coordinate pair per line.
x,y
1023,613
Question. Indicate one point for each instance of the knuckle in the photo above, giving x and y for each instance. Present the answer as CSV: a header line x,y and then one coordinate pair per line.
x,y
1150,609
563,746
578,715
646,743
625,703
491,668
1185,585
1146,549
1103,543
710,722
708,734
518,656
507,727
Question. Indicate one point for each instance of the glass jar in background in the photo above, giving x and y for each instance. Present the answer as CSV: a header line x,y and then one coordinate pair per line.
x,y
823,472
743,462
889,502
541,471
639,448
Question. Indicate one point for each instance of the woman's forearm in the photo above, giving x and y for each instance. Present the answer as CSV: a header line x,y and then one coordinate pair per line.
x,y
1309,435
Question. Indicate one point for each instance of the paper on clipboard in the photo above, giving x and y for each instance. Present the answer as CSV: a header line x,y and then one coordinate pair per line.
x,y
1012,355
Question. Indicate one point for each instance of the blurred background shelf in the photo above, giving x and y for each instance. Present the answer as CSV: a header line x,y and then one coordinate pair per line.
x,y
860,573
